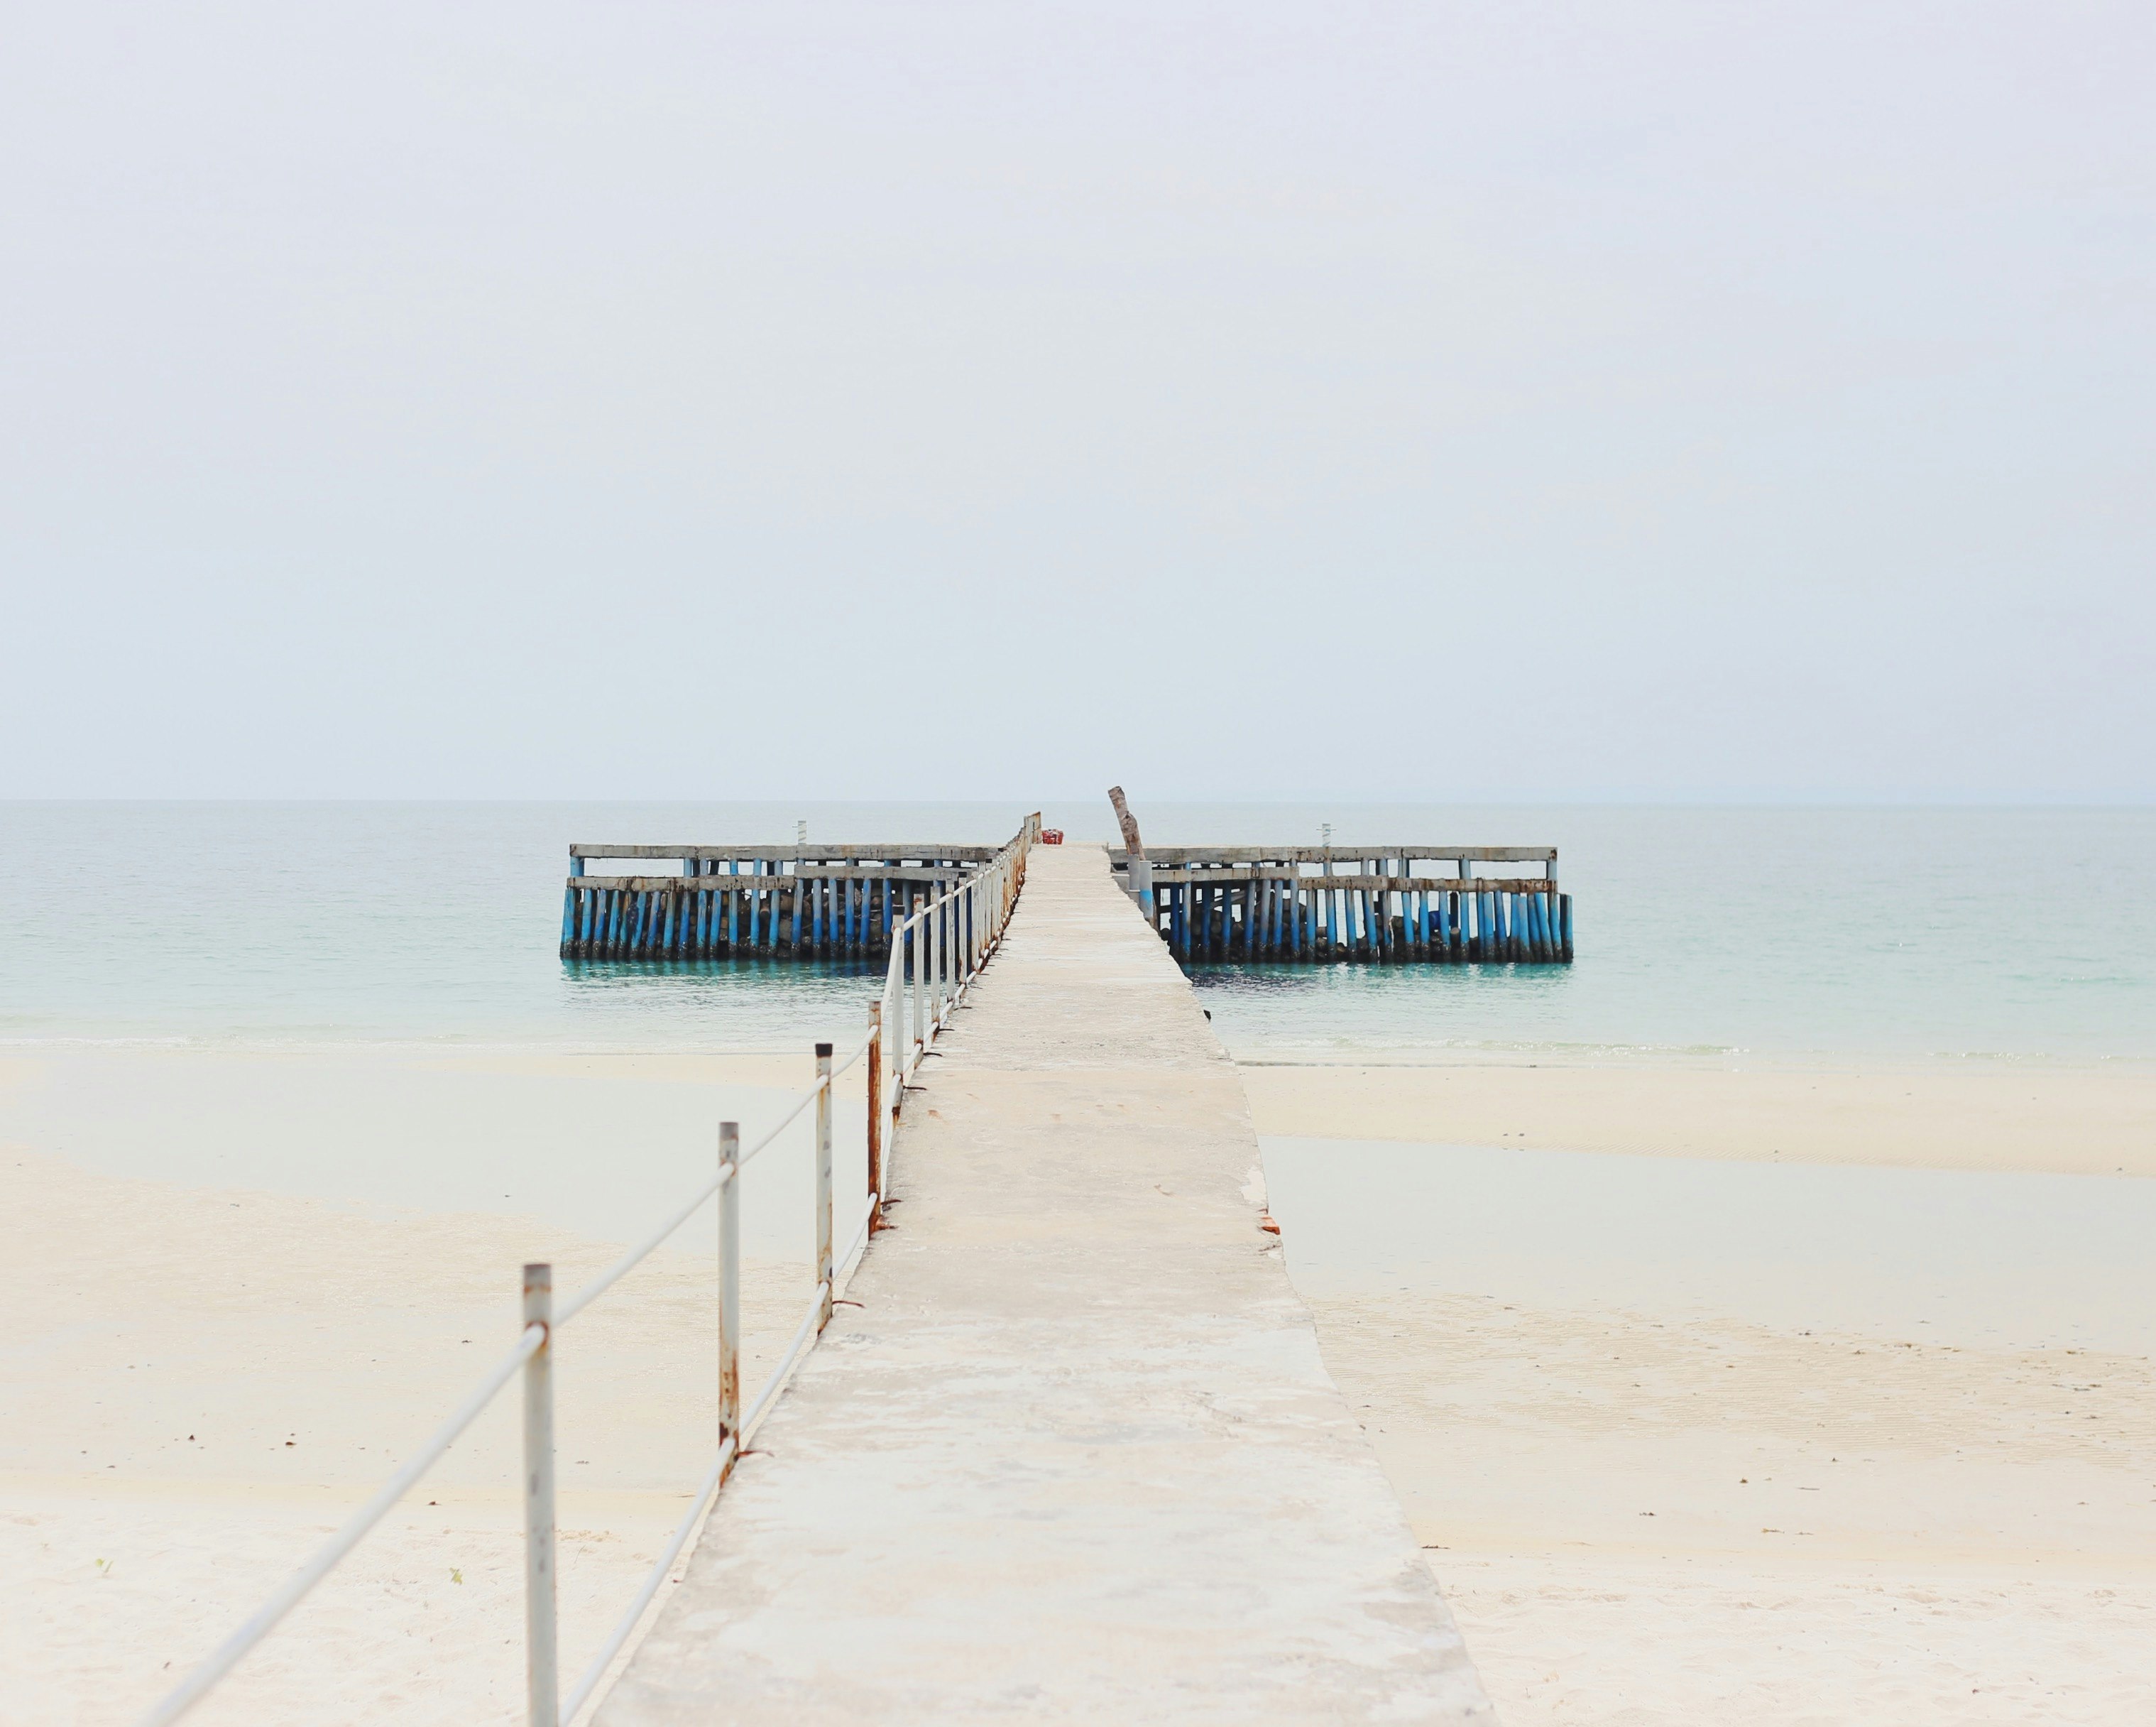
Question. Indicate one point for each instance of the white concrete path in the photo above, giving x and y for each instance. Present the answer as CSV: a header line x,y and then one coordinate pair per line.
x,y
1075,1457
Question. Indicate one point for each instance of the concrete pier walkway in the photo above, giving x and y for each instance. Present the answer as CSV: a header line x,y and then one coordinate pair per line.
x,y
1074,1457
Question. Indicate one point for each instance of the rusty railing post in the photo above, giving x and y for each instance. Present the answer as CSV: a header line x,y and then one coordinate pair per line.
x,y
730,1285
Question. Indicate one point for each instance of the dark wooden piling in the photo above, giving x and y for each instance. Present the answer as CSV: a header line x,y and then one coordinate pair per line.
x,y
1388,906
839,902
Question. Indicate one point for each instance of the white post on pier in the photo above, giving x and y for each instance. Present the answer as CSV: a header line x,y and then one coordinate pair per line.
x,y
543,1682
935,967
917,1045
877,1034
823,1268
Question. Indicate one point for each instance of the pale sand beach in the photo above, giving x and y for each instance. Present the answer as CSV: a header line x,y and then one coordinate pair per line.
x,y
201,1382
2094,1119
1639,1518
1646,1511
1639,1521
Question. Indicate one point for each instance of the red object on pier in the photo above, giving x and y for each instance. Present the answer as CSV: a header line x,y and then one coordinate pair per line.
x,y
1051,836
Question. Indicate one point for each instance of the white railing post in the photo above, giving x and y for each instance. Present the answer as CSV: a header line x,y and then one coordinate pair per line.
x,y
823,1181
876,1024
917,926
894,1033
730,1283
541,1681
939,948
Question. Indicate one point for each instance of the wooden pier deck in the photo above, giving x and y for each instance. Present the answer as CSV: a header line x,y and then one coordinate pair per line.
x,y
1075,1457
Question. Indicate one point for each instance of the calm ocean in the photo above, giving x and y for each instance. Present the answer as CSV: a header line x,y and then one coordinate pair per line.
x,y
1916,932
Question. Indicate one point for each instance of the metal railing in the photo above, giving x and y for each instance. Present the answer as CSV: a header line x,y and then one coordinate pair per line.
x,y
937,953
947,939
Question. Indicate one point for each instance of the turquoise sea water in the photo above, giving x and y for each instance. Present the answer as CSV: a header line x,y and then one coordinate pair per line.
x,y
346,950
1952,932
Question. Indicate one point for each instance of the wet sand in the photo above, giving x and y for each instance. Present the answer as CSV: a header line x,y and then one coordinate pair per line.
x,y
2097,1119
1689,1441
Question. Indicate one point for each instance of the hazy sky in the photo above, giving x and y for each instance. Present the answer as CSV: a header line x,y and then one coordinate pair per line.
x,y
1421,401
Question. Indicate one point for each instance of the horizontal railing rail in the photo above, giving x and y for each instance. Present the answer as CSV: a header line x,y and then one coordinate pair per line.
x,y
796,854
936,954
1179,855
932,874
1231,874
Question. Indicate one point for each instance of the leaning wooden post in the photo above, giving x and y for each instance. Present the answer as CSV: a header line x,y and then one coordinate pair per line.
x,y
1141,875
730,1285
541,1681
875,1115
825,1270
